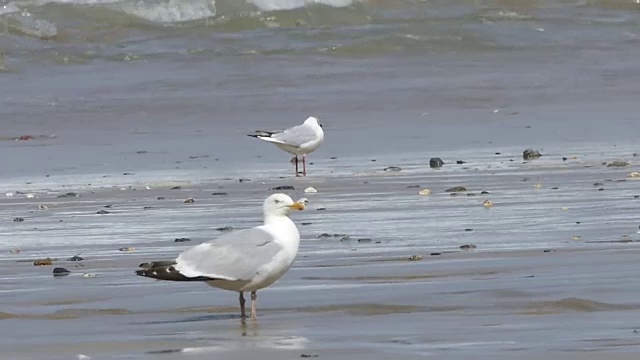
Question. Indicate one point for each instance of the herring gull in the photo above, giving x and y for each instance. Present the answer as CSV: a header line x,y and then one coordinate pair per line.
x,y
243,261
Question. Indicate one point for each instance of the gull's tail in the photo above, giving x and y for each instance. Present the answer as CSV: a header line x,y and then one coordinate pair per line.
x,y
165,270
262,133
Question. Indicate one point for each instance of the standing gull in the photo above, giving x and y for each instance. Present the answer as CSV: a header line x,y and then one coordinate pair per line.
x,y
298,140
245,260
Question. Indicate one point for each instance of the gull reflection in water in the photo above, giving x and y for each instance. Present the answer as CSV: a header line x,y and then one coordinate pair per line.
x,y
250,339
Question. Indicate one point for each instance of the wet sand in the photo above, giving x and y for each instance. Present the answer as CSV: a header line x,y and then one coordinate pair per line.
x,y
529,287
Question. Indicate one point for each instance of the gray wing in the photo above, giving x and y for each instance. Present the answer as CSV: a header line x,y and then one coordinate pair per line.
x,y
295,136
234,256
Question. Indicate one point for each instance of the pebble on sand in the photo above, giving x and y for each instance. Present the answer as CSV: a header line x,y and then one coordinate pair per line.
x,y
283,188
537,186
89,275
618,164
468,247
635,175
456,189
69,194
530,154
75,258
188,201
225,228
15,251
43,262
435,163
424,192
181,240
219,194
576,237
415,258
102,212
310,189
126,249
18,219
392,168
59,271
43,207
487,203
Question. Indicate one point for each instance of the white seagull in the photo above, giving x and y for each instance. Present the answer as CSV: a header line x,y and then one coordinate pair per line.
x,y
298,140
244,260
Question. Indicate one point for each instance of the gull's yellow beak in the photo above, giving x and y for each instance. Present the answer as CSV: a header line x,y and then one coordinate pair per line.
x,y
297,206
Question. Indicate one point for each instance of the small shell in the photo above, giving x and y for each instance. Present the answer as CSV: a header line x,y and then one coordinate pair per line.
x,y
424,192
635,175
310,189
538,186
9,194
565,208
576,237
188,201
89,275
30,196
487,203
415,258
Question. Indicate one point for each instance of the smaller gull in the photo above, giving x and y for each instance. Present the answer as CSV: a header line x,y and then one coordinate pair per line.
x,y
298,140
244,260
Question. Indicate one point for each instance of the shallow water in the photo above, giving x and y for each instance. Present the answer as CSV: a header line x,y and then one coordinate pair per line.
x,y
127,100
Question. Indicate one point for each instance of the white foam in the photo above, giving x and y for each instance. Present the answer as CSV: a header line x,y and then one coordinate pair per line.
x,y
271,5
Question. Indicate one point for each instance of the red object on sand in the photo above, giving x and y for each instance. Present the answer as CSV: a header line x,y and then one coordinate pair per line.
x,y
26,137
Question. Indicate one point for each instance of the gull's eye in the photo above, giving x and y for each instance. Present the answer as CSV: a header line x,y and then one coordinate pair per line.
x,y
276,201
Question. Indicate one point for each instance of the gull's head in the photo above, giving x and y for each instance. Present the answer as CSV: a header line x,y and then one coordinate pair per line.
x,y
313,121
280,205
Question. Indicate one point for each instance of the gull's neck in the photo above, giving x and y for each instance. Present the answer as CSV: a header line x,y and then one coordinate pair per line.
x,y
275,219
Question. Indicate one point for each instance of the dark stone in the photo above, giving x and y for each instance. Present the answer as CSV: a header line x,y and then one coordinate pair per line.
x,y
181,240
309,355
435,163
618,164
58,272
460,162
530,154
484,193
148,207
601,189
436,254
18,219
333,158
128,173
468,247
392,168
160,198
102,212
69,194
364,240
321,209
219,194
636,196
176,188
468,229
75,258
305,223
564,158
554,188
598,184
225,228
346,238
324,235
498,153
548,251
284,187
456,189
471,194
141,152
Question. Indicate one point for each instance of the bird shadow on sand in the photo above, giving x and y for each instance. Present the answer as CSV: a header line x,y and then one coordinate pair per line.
x,y
210,317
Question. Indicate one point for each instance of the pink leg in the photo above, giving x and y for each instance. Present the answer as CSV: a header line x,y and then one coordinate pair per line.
x,y
304,165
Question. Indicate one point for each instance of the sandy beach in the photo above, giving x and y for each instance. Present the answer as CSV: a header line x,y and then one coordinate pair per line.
x,y
113,113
